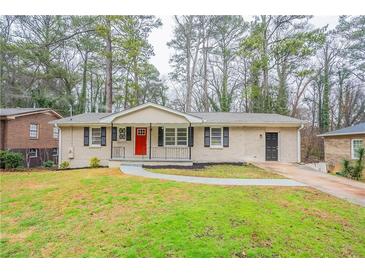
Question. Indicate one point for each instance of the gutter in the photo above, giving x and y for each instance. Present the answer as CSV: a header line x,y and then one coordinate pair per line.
x,y
340,134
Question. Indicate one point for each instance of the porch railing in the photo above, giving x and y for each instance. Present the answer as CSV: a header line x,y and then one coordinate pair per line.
x,y
119,152
157,153
175,153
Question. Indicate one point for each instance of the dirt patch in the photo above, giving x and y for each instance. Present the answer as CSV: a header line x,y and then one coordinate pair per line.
x,y
19,237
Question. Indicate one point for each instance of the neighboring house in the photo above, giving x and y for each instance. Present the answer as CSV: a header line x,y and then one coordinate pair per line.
x,y
27,130
343,144
157,135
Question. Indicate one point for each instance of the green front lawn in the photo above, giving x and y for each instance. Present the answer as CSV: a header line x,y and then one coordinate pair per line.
x,y
248,171
103,213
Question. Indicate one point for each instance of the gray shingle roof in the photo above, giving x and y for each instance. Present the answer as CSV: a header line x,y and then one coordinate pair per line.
x,y
17,111
243,117
208,117
357,129
85,118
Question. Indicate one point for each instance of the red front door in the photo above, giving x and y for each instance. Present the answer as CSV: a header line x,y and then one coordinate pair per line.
x,y
141,141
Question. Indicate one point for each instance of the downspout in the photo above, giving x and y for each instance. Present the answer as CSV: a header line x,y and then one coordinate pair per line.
x,y
149,145
111,141
59,145
189,141
299,143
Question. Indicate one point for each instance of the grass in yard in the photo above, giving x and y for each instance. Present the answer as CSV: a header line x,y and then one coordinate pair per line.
x,y
103,213
248,171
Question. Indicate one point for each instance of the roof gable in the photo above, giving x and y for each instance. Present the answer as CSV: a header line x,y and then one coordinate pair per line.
x,y
12,113
155,114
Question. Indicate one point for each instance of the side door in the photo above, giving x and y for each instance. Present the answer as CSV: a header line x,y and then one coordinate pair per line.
x,y
271,139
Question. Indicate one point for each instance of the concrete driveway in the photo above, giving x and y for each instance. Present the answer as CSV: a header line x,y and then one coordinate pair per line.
x,y
340,187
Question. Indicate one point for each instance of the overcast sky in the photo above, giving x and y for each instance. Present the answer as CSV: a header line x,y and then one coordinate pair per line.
x,y
161,36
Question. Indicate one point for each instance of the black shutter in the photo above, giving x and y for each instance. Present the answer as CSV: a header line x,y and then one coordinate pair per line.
x,y
129,133
160,136
207,137
191,136
86,136
114,133
103,136
226,136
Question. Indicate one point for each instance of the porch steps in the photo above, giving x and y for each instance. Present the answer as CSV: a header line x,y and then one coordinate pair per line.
x,y
140,162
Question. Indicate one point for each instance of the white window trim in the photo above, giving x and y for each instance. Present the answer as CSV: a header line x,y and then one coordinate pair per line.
x,y
37,131
210,137
55,137
91,138
176,145
36,153
352,148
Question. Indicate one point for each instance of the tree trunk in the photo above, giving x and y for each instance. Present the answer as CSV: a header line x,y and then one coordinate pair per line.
x,y
109,70
282,101
188,61
341,78
205,73
82,100
326,95
265,69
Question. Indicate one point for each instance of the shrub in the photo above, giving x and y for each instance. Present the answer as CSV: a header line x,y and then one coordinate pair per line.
x,y
9,159
48,163
359,165
354,171
94,162
346,168
65,165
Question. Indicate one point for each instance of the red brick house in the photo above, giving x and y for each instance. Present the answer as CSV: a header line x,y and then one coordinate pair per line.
x,y
27,130
343,144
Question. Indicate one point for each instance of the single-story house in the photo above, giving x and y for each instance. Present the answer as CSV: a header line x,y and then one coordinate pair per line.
x,y
343,144
152,134
27,130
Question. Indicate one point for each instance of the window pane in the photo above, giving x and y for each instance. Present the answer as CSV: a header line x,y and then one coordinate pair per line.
x,y
122,133
55,133
96,136
356,145
182,136
170,136
216,137
33,152
33,131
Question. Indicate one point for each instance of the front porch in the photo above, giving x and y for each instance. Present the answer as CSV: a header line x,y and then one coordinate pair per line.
x,y
156,153
152,134
146,143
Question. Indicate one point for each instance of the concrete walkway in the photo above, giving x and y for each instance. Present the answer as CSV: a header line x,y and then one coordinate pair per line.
x,y
139,171
350,190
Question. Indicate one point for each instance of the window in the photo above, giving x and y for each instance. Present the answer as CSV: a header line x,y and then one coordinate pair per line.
x,y
141,131
170,136
176,136
356,145
96,136
54,151
55,133
33,131
216,137
182,136
33,153
122,133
